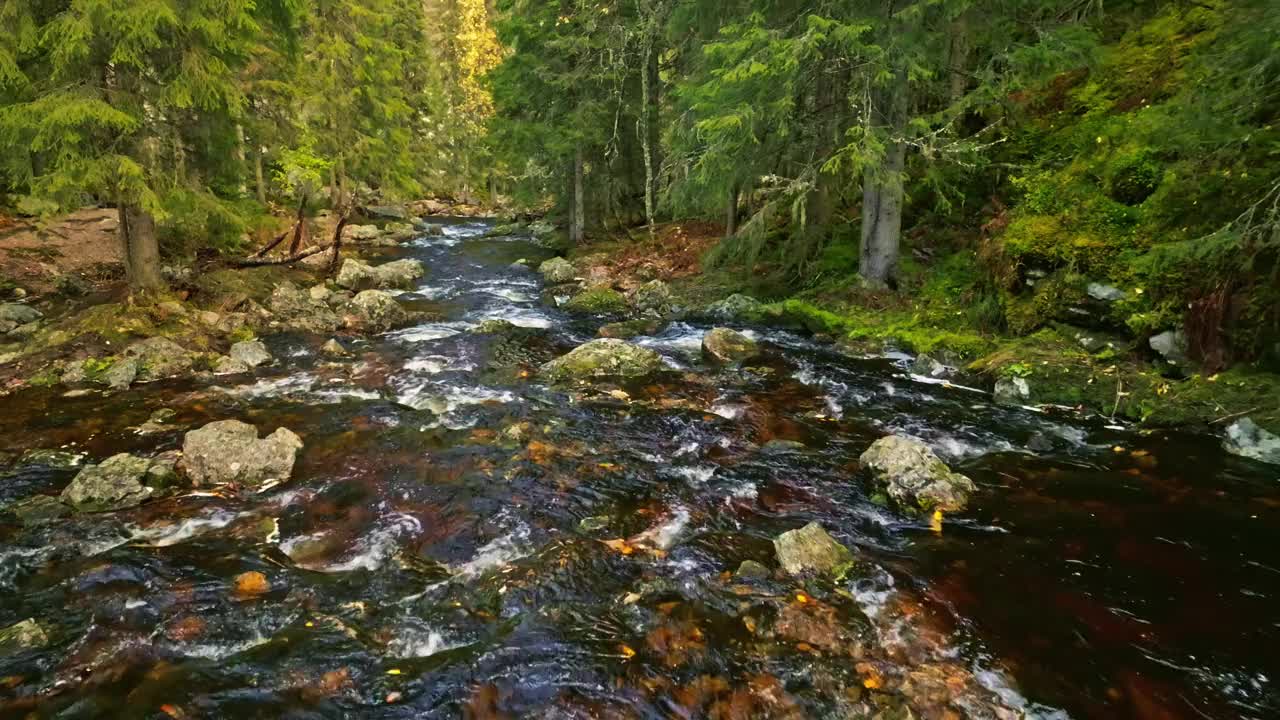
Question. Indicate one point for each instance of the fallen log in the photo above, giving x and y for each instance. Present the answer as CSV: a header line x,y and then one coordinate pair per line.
x,y
290,259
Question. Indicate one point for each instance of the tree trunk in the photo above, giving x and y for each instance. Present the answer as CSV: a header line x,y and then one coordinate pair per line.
x,y
258,176
646,141
577,225
882,218
139,249
731,216
827,107
958,60
242,190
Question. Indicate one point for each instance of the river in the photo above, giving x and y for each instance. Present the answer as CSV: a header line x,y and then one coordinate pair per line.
x,y
460,539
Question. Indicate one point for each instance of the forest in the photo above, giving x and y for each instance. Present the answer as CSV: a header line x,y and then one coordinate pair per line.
x,y
639,358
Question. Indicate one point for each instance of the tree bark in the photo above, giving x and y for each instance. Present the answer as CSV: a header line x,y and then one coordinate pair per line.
x,y
299,228
731,214
337,243
258,176
242,160
577,225
139,248
958,60
646,141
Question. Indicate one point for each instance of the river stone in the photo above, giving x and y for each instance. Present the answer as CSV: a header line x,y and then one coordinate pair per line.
x,y
914,477
250,352
297,309
1247,439
603,359
494,326
557,270
751,570
386,212
810,548
1012,391
359,233
375,310
1171,345
227,365
1106,293
333,348
160,357
399,274
23,636
19,314
652,297
928,366
121,374
38,510
736,307
597,301
541,228
728,346
55,459
229,451
628,329
114,484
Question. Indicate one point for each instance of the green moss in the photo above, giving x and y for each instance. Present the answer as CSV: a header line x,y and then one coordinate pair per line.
x,y
597,301
907,331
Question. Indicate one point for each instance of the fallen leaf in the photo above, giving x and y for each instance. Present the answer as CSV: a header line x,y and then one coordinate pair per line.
x,y
252,584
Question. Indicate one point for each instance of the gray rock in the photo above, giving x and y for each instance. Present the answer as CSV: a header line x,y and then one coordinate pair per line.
x,y
320,292
910,474
376,311
21,637
39,510
387,212
1012,391
359,233
927,366
121,374
297,309
58,459
628,329
250,352
728,346
605,358
494,326
227,365
1172,346
229,451
160,357
810,548
751,570
557,270
783,447
541,228
1106,293
7,326
19,313
736,307
333,348
1247,439
398,231
114,484
652,297
400,274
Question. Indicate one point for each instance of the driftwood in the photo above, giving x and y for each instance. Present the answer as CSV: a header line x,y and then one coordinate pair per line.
x,y
271,245
290,259
300,228
337,243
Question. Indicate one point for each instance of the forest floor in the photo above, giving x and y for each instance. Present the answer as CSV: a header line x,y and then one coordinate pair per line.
x,y
933,315
78,251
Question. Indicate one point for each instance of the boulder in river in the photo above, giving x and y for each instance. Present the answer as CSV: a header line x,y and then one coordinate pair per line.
x,y
914,477
604,358
628,329
737,307
652,297
1246,439
121,374
295,308
229,451
361,233
597,301
160,357
1012,390
119,482
928,366
333,348
557,271
399,274
22,636
250,352
811,548
38,510
227,365
376,311
728,346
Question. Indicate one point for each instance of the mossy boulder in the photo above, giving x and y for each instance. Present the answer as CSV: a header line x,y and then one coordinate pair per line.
x,y
376,311
628,329
653,297
229,451
399,274
250,352
597,301
119,482
605,358
914,477
557,271
737,307
723,345
811,549
21,637
160,357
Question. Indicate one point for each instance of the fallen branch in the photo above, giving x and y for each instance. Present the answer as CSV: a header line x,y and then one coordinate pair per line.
x,y
259,262
1232,416
337,244
299,229
271,245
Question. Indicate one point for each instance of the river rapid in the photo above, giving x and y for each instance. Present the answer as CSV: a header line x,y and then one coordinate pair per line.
x,y
460,539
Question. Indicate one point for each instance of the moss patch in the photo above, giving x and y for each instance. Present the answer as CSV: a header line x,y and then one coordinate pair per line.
x,y
597,301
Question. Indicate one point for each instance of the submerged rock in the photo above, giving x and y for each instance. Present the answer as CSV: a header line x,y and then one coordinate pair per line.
x,y
728,346
557,270
604,359
227,365
597,301
121,374
38,510
250,352
117,483
736,307
159,358
751,570
494,326
810,548
376,311
229,451
928,366
22,636
333,348
1246,439
909,472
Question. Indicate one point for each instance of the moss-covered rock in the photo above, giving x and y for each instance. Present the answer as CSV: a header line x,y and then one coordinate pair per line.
x,y
914,477
811,549
723,345
605,358
597,301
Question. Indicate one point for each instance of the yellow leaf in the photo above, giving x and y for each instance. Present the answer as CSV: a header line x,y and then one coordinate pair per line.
x,y
619,545
626,651
935,522
394,671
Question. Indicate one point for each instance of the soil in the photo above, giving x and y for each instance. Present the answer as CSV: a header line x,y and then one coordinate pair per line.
x,y
81,246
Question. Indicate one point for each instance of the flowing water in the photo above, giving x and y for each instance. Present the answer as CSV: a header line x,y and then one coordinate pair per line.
x,y
460,539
